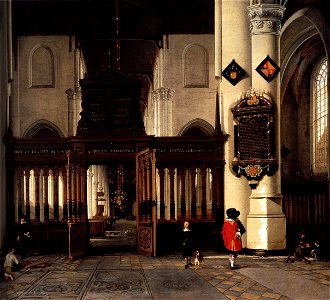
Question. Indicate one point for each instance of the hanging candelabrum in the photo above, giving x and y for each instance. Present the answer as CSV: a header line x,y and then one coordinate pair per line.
x,y
119,199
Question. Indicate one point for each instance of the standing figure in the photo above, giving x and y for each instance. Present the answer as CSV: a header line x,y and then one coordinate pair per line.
x,y
187,244
23,238
232,231
10,263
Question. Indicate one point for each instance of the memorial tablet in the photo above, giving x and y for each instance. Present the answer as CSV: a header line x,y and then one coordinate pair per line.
x,y
254,150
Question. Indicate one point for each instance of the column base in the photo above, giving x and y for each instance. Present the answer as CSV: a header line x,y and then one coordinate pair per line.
x,y
266,232
265,253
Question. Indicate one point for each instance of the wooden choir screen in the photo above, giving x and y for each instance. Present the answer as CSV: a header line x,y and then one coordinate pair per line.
x,y
186,192
40,193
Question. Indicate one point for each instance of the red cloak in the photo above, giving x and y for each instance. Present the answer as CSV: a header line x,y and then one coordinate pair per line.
x,y
230,239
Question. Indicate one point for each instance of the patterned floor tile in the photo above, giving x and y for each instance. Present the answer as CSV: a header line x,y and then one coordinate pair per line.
x,y
117,284
59,284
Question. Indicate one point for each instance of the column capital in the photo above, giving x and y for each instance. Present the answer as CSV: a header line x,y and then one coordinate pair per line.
x,y
265,18
162,94
73,94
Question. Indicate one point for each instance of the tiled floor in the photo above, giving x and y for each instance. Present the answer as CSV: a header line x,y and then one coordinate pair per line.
x,y
132,276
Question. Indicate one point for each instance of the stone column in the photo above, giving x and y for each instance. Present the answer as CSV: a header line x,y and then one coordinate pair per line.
x,y
266,224
5,93
232,41
163,102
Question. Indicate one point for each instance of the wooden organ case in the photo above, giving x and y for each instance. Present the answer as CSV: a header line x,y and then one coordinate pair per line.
x,y
110,105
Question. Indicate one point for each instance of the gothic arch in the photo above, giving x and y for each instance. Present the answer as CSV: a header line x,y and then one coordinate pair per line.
x,y
195,66
299,30
305,40
42,129
42,67
197,125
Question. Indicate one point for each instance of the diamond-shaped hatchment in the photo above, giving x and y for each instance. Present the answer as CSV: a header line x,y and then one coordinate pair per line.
x,y
268,69
233,72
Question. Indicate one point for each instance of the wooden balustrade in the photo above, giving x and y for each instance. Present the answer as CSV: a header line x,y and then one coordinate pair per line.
x,y
34,199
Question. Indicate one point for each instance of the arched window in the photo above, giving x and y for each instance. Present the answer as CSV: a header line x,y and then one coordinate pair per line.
x,y
42,68
195,67
320,116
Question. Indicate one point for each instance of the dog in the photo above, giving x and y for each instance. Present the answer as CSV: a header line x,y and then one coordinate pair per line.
x,y
198,259
306,249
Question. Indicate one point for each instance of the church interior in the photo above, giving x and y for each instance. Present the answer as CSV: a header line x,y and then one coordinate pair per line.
x,y
121,119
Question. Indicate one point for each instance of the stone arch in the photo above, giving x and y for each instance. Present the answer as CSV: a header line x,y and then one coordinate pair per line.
x,y
197,127
42,67
195,67
43,129
312,26
305,39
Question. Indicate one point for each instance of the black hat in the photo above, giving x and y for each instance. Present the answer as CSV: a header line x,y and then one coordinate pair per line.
x,y
232,213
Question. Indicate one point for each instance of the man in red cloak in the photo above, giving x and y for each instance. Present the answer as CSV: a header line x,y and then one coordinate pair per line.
x,y
232,231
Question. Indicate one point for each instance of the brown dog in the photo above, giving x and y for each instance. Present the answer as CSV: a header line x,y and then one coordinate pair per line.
x,y
198,259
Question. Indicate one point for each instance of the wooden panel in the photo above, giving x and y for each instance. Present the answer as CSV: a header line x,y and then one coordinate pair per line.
x,y
145,239
77,241
146,202
97,227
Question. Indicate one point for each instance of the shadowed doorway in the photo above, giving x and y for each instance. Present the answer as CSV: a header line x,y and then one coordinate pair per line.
x,y
111,194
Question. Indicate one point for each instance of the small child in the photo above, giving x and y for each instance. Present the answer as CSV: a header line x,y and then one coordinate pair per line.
x,y
10,262
24,237
187,244
232,231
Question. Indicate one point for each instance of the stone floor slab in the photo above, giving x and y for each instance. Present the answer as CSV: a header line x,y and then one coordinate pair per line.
x,y
287,283
179,284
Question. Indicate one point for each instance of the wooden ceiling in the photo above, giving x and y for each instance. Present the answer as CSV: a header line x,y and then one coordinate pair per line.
x,y
137,31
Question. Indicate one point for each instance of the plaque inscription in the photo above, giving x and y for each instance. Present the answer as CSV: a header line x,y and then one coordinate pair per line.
x,y
253,138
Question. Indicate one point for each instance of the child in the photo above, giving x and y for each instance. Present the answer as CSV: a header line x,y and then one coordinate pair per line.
x,y
10,262
187,244
232,231
23,238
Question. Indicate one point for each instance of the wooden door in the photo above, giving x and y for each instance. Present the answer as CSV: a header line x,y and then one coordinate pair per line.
x,y
146,202
76,203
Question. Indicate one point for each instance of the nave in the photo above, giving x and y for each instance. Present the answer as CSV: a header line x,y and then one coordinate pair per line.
x,y
127,275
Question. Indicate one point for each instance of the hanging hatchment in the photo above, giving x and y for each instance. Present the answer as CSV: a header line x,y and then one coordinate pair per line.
x,y
254,136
